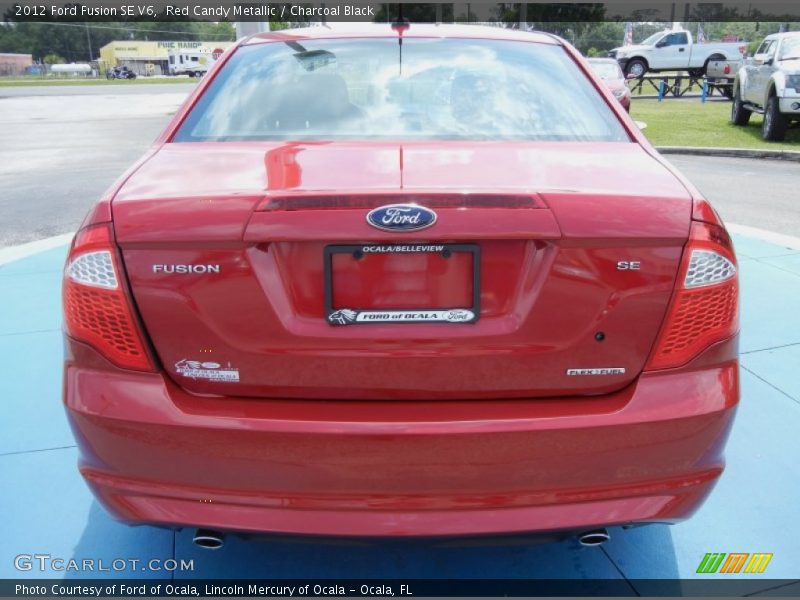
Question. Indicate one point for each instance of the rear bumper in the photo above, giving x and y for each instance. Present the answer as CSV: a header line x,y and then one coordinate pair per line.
x,y
152,453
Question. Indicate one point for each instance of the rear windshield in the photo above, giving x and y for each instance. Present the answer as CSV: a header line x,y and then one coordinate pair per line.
x,y
424,89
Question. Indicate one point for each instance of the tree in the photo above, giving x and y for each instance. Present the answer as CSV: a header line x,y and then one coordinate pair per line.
x,y
601,37
54,59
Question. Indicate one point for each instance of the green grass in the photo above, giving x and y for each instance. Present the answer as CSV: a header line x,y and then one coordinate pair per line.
x,y
40,82
689,122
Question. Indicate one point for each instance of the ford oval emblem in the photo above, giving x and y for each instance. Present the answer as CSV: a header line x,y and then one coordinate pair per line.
x,y
401,217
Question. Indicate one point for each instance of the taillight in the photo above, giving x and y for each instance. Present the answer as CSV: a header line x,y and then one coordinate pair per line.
x,y
705,305
97,309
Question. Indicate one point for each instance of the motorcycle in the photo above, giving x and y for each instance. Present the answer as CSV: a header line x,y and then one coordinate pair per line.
x,y
120,73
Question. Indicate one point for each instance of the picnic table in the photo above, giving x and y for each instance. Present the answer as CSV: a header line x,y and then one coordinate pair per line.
x,y
679,84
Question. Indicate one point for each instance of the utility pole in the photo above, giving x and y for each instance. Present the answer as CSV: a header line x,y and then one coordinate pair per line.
x,y
89,41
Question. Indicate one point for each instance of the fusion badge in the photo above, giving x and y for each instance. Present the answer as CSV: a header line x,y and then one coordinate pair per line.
x,y
401,217
186,269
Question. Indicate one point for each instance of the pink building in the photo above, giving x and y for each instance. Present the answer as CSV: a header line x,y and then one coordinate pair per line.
x,y
14,64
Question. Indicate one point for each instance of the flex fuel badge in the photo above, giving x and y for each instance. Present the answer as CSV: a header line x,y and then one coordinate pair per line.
x,y
208,370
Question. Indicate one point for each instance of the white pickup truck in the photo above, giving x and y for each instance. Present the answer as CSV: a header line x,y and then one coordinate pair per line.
x,y
769,84
673,50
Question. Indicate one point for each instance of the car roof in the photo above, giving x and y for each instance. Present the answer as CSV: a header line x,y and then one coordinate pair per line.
x,y
422,30
783,35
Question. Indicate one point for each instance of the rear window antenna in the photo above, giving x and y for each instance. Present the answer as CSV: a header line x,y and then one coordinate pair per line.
x,y
400,25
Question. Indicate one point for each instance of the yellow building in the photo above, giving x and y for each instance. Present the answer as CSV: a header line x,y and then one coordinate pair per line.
x,y
150,58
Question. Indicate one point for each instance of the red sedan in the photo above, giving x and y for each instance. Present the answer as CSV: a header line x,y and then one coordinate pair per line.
x,y
609,71
393,282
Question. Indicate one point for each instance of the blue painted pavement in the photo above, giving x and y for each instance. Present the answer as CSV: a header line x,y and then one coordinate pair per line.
x,y
47,508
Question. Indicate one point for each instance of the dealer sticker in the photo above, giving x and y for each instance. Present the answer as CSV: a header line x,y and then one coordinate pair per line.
x,y
211,371
346,316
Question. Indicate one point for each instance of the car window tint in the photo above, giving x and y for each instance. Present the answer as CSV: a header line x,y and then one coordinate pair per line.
x,y
676,39
426,89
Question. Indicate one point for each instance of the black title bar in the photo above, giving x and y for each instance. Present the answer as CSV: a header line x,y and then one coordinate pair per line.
x,y
302,12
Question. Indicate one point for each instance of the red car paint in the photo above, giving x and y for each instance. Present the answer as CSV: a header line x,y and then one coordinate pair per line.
x,y
417,429
612,76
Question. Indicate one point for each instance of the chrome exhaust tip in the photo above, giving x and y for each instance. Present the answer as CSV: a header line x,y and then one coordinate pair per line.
x,y
208,539
595,537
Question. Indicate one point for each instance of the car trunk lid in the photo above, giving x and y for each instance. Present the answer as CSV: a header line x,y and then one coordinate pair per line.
x,y
566,253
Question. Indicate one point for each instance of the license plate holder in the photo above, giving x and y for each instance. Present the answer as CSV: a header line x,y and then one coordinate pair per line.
x,y
452,315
